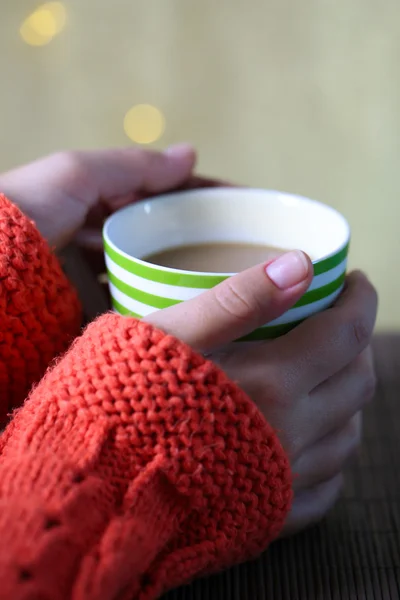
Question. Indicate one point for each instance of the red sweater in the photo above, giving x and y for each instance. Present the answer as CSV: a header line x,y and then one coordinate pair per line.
x,y
134,464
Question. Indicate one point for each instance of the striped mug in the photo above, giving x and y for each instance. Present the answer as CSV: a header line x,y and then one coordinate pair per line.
x,y
234,215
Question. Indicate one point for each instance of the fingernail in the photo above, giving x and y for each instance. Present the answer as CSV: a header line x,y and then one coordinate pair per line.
x,y
288,269
180,151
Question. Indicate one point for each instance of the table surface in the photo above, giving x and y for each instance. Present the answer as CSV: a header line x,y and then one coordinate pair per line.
x,y
354,554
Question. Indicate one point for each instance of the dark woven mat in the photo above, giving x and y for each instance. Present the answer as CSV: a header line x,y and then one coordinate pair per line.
x,y
355,553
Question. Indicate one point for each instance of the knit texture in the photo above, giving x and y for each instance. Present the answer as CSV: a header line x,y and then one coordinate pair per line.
x,y
134,466
39,311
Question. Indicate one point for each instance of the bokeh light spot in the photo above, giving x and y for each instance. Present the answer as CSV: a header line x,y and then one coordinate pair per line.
x,y
44,24
144,124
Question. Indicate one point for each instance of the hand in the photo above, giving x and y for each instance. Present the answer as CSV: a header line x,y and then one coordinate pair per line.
x,y
69,195
310,384
75,191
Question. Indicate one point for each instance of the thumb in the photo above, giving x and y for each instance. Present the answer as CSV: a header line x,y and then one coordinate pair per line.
x,y
238,305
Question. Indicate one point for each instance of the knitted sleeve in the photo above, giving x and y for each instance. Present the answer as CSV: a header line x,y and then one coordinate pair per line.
x,y
39,310
134,466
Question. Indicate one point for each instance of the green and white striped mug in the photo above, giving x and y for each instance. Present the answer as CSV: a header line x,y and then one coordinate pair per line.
x,y
234,215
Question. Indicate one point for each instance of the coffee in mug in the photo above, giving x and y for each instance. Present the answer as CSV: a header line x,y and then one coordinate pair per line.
x,y
214,257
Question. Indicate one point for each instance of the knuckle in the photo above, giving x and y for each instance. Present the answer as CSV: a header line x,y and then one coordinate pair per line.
x,y
360,331
143,159
149,163
234,302
68,161
71,165
74,172
275,392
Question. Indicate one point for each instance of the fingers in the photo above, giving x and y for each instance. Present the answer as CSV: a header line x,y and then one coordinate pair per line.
x,y
328,457
311,505
238,305
326,343
329,407
343,395
59,191
303,419
119,172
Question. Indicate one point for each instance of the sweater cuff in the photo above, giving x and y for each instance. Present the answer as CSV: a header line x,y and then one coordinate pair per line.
x,y
150,465
39,310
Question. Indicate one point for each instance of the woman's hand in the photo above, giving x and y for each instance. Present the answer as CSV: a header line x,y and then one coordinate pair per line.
x,y
70,194
75,191
310,384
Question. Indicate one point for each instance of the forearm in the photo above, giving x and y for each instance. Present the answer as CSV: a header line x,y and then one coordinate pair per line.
x,y
134,466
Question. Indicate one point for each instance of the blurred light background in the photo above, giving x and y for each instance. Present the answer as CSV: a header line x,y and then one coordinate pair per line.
x,y
299,96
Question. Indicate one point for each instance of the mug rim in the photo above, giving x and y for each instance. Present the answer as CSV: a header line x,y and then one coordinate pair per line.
x,y
280,196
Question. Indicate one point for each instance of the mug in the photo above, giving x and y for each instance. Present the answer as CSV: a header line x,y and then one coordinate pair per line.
x,y
230,215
